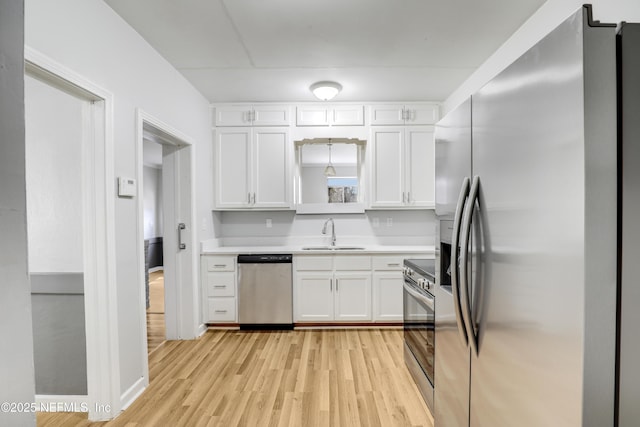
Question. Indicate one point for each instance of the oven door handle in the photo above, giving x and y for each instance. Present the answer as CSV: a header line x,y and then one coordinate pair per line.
x,y
464,275
429,302
455,277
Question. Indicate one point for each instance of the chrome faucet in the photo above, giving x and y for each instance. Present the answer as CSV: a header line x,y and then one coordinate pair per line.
x,y
333,230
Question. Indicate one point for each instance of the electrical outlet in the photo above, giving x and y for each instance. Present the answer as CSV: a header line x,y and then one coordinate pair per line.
x,y
269,223
389,222
376,222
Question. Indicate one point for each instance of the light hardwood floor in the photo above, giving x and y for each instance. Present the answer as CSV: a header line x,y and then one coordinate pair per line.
x,y
290,378
155,313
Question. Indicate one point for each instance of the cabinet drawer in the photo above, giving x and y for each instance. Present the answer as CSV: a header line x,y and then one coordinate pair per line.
x,y
351,263
221,284
314,263
389,263
221,263
222,309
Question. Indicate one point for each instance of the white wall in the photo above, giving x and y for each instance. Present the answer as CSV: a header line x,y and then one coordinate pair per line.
x,y
549,16
53,122
87,37
17,382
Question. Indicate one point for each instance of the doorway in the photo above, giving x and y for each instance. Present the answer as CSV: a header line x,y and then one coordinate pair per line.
x,y
78,289
176,215
153,243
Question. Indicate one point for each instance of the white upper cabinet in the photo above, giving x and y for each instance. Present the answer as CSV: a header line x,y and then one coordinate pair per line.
x,y
329,115
404,114
252,115
253,168
402,167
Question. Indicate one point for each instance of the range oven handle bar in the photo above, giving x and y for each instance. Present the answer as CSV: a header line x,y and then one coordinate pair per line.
x,y
464,274
457,223
429,302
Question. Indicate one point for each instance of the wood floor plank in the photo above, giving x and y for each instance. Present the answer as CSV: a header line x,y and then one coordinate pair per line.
x,y
272,379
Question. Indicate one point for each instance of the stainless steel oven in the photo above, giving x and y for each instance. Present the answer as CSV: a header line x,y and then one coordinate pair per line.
x,y
419,324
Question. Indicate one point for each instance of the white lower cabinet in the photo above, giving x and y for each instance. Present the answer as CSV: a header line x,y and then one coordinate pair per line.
x,y
332,288
387,287
218,275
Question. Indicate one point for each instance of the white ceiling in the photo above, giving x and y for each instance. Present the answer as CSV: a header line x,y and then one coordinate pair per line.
x,y
273,50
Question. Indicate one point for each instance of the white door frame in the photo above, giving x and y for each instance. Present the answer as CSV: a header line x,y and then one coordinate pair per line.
x,y
98,206
180,266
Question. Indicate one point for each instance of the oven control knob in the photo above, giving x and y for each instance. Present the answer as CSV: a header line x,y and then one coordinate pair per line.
x,y
429,285
422,283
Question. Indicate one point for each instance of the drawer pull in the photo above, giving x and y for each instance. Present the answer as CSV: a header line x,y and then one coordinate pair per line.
x,y
220,311
395,264
219,265
219,286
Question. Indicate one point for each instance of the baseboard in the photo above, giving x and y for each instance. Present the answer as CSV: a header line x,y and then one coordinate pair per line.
x,y
345,325
129,396
318,325
201,330
62,403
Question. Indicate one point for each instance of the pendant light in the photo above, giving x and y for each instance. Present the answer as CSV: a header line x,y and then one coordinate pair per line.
x,y
329,170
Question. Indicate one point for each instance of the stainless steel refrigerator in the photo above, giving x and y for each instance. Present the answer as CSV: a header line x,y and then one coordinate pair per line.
x,y
629,231
526,194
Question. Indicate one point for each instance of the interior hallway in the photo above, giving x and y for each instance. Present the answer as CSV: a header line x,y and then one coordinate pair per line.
x,y
155,313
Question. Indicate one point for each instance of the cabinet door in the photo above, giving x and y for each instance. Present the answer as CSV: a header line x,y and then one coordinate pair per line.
x,y
314,296
232,160
387,114
271,115
347,115
232,115
422,114
420,167
272,168
352,295
387,174
387,296
252,115
312,115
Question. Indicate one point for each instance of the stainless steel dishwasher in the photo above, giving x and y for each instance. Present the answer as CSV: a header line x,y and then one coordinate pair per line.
x,y
265,292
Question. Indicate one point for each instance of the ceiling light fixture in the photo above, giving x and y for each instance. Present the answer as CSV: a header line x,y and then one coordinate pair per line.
x,y
325,90
329,170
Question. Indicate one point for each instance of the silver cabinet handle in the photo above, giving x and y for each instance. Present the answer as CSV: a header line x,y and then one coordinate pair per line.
x,y
395,264
408,197
464,276
404,197
219,265
337,281
219,311
248,198
181,227
219,286
457,223
254,199
331,285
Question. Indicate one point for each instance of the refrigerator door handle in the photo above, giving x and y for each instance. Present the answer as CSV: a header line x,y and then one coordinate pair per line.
x,y
464,192
464,276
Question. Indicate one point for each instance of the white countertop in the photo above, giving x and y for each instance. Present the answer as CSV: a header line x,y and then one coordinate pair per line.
x,y
418,250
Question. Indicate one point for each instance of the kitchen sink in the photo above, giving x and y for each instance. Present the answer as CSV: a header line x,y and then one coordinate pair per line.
x,y
332,248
